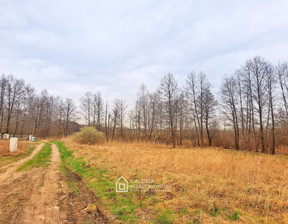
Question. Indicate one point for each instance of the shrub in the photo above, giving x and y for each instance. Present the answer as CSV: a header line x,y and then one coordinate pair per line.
x,y
89,136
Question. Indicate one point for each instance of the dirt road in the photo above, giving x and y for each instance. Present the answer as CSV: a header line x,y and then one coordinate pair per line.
x,y
10,173
41,195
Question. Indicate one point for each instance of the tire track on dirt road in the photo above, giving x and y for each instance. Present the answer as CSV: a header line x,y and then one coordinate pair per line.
x,y
41,195
42,206
10,174
16,188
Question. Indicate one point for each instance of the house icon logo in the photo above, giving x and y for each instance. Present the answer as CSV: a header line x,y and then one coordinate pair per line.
x,y
121,185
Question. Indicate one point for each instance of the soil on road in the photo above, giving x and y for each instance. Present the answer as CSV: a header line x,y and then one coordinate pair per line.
x,y
41,195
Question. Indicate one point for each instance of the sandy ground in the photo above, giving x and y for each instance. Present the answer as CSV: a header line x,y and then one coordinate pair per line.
x,y
41,195
10,174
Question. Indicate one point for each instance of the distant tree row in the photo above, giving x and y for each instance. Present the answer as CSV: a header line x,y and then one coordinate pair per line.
x,y
250,112
23,112
169,115
254,102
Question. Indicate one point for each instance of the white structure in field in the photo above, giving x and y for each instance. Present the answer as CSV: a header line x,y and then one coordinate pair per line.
x,y
30,138
13,144
6,136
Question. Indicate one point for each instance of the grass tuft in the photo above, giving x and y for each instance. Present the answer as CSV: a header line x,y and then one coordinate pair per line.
x,y
234,216
165,217
41,159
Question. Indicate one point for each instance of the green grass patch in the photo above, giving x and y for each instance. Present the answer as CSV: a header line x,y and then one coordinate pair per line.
x,y
196,221
234,216
100,182
41,159
73,186
183,211
215,211
165,217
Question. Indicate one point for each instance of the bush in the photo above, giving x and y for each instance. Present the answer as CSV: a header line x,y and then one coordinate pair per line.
x,y
89,136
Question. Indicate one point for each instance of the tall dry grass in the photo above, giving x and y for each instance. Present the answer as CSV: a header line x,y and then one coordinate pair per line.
x,y
253,184
5,144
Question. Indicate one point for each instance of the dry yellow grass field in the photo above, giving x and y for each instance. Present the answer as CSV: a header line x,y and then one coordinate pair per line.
x,y
4,147
208,185
24,149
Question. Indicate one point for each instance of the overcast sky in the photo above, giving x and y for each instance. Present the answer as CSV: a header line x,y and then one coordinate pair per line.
x,y
71,47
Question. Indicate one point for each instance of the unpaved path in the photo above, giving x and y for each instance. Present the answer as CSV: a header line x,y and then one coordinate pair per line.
x,y
42,195
42,205
10,174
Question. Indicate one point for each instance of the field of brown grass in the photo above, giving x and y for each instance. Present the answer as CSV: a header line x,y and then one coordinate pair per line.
x,y
207,185
4,147
6,157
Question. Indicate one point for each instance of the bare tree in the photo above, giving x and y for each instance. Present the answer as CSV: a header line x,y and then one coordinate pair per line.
x,y
181,114
271,81
197,88
122,107
87,107
258,68
209,105
245,77
192,96
169,90
154,99
282,72
97,109
15,89
230,105
69,112
2,101
143,100
116,110
107,122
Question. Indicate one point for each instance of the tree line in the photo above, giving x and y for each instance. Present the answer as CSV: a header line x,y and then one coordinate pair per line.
x,y
254,101
249,112
24,112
